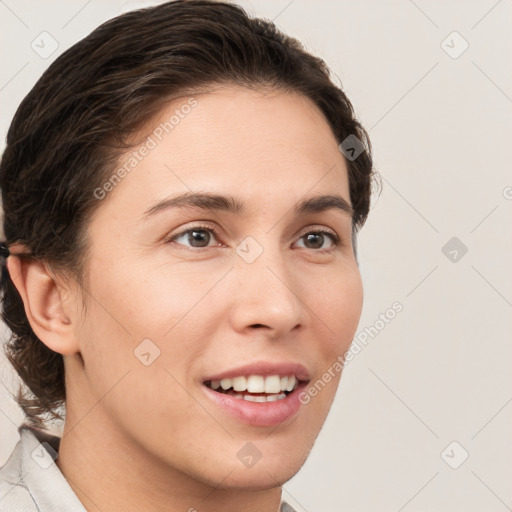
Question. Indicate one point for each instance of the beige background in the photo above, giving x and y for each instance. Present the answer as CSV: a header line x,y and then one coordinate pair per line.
x,y
440,126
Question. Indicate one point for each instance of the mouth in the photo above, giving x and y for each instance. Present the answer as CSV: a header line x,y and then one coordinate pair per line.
x,y
260,394
256,388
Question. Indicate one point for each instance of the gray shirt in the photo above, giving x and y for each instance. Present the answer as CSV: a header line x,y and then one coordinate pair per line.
x,y
30,481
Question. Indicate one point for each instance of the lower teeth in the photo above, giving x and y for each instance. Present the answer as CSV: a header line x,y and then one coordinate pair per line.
x,y
269,398
253,397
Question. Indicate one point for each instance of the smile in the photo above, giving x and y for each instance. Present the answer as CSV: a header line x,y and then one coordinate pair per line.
x,y
260,399
256,388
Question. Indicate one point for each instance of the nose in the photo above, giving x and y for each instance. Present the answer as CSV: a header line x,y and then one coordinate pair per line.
x,y
266,296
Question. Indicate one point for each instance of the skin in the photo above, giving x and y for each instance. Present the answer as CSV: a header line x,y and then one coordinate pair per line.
x,y
142,437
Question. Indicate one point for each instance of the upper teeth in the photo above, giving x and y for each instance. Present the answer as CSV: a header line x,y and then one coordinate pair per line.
x,y
257,383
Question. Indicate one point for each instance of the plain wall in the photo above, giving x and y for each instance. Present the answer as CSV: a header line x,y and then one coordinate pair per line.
x,y
440,124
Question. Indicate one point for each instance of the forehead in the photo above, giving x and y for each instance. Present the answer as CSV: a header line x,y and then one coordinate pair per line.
x,y
232,140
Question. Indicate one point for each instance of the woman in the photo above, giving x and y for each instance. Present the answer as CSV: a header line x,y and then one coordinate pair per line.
x,y
182,193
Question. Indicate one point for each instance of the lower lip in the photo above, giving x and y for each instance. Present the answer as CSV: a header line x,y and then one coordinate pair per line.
x,y
258,414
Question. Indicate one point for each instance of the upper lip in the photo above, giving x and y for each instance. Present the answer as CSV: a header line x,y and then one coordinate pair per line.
x,y
264,368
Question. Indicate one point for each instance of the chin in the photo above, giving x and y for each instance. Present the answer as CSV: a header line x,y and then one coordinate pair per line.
x,y
258,480
262,475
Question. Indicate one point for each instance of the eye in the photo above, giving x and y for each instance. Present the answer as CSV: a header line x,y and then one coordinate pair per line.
x,y
317,238
198,236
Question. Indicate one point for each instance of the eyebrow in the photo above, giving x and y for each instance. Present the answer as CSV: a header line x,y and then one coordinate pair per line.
x,y
215,202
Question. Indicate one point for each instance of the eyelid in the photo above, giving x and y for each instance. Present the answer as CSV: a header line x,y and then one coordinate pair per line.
x,y
193,227
319,229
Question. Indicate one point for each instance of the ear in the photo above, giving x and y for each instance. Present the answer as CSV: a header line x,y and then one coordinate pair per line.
x,y
42,297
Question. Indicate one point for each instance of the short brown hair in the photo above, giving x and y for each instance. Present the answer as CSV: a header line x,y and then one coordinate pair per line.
x,y
72,126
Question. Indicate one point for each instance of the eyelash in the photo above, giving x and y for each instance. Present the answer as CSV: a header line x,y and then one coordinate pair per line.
x,y
208,227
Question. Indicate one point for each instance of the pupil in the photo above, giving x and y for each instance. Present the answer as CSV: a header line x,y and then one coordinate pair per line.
x,y
318,236
201,238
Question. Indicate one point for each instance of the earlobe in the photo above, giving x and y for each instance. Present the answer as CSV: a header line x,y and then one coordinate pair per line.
x,y
44,307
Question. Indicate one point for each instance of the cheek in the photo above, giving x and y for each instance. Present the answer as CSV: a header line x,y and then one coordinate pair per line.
x,y
133,313
149,301
135,355
337,306
337,309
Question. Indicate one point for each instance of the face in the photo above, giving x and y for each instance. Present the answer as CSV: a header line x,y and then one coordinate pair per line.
x,y
186,297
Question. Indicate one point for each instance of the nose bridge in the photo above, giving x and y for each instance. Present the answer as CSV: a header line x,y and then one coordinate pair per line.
x,y
268,294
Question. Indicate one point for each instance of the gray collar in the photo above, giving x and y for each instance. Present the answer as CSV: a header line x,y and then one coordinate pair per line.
x,y
30,479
